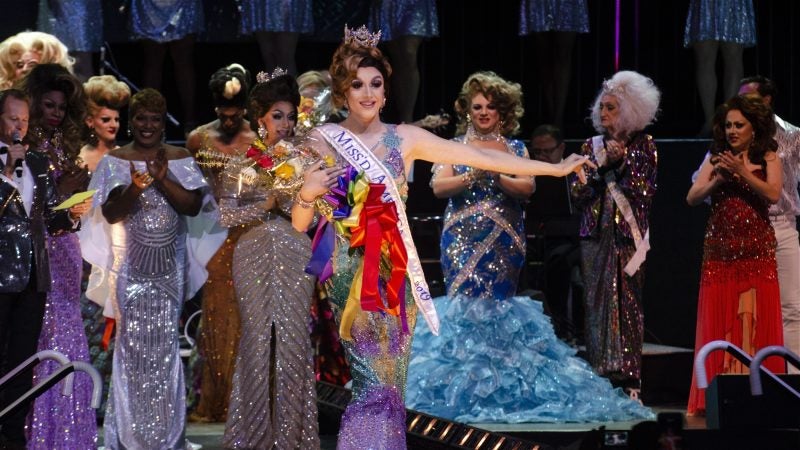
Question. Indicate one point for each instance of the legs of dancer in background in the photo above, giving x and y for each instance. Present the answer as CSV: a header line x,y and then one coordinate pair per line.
x,y
182,52
278,50
705,59
554,52
405,78
733,68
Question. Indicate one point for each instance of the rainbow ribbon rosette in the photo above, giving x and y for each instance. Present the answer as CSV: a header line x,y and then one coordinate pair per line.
x,y
359,214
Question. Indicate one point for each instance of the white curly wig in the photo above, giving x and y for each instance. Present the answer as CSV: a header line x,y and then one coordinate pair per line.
x,y
638,101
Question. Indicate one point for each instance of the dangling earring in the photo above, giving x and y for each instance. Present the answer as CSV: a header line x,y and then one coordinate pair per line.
x,y
383,105
130,131
92,137
262,132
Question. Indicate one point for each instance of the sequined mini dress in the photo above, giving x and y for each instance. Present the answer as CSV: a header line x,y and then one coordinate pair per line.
x,y
738,256
721,20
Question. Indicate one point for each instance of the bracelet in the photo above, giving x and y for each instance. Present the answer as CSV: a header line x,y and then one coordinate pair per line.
x,y
302,203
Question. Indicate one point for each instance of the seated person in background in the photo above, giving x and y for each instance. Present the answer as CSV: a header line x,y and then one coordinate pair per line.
x,y
551,216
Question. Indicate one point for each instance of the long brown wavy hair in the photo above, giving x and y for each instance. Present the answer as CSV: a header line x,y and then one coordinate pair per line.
x,y
759,114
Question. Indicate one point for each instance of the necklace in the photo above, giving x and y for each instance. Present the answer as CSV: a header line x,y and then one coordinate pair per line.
x,y
475,135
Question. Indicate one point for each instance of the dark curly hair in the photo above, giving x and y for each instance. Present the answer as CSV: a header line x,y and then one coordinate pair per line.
x,y
229,86
349,57
264,95
46,78
148,99
759,114
506,95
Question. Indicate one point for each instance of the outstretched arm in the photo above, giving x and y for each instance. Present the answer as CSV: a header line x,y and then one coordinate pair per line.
x,y
420,144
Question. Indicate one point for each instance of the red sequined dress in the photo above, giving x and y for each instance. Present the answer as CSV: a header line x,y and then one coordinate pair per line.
x,y
738,258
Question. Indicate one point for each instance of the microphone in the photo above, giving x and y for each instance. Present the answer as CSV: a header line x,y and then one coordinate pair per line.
x,y
18,163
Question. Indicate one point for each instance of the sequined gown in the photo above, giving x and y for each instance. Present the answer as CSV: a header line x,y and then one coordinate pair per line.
x,y
273,401
497,358
165,20
614,315
76,23
721,20
219,328
58,421
398,18
378,354
738,255
538,16
292,16
151,262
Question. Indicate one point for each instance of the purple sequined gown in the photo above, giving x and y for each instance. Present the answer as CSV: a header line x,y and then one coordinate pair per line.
x,y
58,421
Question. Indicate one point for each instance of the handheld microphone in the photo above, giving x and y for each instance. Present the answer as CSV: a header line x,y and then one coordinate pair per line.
x,y
18,163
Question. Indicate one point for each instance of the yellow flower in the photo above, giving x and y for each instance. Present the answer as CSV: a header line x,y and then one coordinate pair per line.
x,y
284,171
329,161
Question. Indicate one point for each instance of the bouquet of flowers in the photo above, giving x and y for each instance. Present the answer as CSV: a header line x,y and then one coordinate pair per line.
x,y
278,168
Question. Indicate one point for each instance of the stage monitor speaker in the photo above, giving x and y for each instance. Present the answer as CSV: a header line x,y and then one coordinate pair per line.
x,y
729,403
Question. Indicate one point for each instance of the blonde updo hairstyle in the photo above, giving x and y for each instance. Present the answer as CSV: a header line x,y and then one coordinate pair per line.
x,y
347,59
103,91
506,95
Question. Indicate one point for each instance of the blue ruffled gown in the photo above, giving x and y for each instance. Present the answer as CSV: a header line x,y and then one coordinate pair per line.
x,y
497,358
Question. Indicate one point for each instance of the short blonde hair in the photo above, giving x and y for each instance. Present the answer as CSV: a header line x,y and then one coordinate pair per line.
x,y
506,95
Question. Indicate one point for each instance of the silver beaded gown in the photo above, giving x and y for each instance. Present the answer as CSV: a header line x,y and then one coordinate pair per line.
x,y
152,261
273,402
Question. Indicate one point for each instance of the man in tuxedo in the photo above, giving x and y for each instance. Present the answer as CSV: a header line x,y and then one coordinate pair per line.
x,y
27,194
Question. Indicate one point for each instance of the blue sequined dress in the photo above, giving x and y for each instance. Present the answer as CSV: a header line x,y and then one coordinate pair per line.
x,y
398,18
537,16
76,23
293,16
148,264
721,20
165,20
497,358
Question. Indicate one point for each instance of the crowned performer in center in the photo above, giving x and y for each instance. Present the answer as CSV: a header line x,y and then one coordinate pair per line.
x,y
363,251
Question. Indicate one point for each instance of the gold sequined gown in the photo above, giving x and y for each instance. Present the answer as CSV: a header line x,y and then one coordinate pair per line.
x,y
219,328
273,400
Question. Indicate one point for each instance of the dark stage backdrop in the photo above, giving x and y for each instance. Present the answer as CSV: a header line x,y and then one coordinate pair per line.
x,y
483,36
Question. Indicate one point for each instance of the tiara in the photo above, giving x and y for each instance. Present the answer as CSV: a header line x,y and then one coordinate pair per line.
x,y
362,36
609,87
264,77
